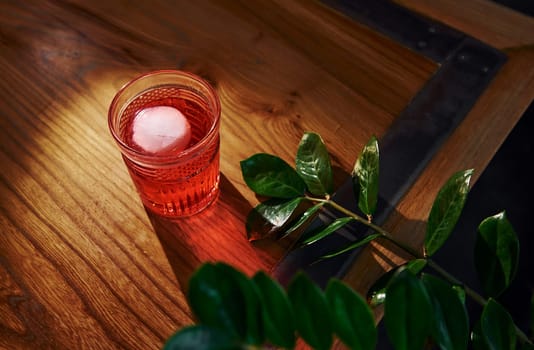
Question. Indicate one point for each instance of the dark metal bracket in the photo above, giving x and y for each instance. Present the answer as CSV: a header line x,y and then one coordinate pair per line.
x,y
466,67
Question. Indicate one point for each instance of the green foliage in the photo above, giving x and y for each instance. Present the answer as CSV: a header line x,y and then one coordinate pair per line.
x,y
225,303
446,210
314,322
377,293
270,176
408,312
322,232
352,246
352,318
302,219
313,165
201,337
270,216
278,317
497,326
451,325
496,254
460,291
477,339
365,177
237,312
236,307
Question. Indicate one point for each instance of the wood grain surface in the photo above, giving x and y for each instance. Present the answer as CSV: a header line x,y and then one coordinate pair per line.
x,y
82,264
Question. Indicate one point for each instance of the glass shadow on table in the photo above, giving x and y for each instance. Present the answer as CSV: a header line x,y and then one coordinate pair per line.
x,y
216,234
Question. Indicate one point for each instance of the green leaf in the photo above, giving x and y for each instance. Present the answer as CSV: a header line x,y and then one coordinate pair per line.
x,y
352,246
277,313
270,216
460,291
496,254
313,314
325,231
313,165
477,339
201,338
451,326
352,318
270,176
446,210
377,293
407,312
497,327
308,214
224,298
415,266
365,177
254,321
527,346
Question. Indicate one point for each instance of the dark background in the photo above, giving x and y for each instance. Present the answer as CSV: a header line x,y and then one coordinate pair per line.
x,y
524,6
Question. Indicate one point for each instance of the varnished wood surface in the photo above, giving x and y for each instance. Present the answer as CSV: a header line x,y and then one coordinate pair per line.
x,y
82,265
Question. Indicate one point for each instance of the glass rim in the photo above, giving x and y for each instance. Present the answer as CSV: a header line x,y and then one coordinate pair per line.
x,y
155,158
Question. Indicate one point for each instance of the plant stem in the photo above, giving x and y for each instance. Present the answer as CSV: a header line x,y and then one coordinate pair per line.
x,y
385,234
474,295
446,275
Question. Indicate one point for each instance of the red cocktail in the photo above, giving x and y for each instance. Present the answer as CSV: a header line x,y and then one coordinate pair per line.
x,y
166,124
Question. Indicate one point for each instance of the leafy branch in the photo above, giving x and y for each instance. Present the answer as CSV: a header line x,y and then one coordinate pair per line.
x,y
237,312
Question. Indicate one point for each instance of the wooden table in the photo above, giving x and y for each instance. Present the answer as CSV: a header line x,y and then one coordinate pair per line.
x,y
82,265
